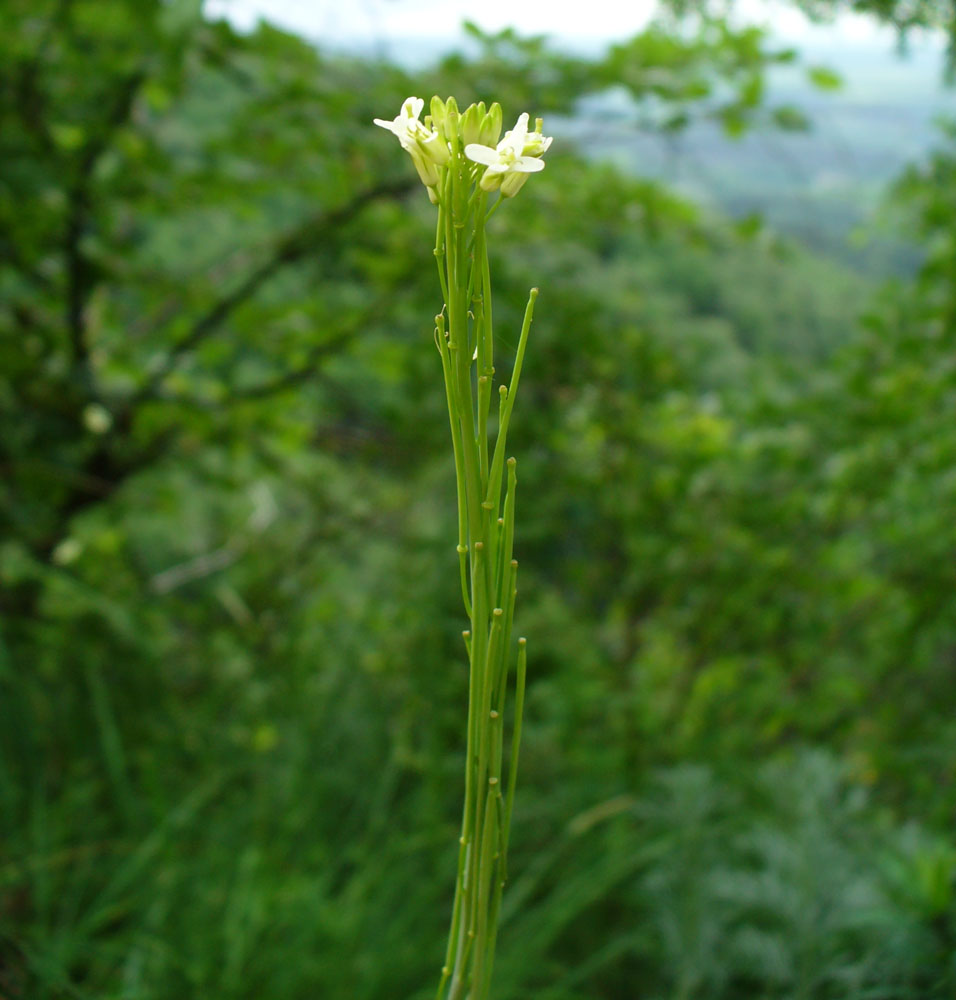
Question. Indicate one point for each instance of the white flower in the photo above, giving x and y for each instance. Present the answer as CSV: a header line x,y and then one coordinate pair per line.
x,y
426,147
405,124
517,155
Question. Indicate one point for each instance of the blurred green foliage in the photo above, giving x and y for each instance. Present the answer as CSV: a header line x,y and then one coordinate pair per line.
x,y
231,682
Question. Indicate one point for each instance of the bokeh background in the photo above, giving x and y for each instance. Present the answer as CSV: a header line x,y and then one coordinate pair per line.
x,y
232,687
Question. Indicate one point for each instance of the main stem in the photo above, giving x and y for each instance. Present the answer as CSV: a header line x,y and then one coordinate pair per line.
x,y
465,341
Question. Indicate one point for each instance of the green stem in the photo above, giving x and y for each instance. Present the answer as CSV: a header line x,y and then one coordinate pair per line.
x,y
465,337
488,854
451,396
508,402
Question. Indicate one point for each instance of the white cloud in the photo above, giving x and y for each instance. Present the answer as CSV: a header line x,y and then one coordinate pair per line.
x,y
383,21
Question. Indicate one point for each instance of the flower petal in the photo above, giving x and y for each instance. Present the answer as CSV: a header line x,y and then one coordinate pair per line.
x,y
516,138
481,154
412,107
397,128
527,165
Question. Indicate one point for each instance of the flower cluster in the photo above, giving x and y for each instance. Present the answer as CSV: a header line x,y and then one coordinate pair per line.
x,y
447,133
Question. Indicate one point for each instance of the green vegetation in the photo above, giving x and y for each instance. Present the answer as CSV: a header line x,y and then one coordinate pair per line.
x,y
231,679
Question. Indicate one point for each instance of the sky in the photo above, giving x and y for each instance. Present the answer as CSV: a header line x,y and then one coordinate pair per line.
x,y
389,21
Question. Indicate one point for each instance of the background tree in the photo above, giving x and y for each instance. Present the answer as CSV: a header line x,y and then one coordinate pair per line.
x,y
227,737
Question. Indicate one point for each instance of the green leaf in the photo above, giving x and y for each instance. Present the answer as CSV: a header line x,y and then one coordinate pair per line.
x,y
824,78
790,119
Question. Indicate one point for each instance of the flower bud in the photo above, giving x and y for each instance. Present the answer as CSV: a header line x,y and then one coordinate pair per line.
x,y
434,147
437,108
451,119
512,183
490,180
470,126
427,170
491,126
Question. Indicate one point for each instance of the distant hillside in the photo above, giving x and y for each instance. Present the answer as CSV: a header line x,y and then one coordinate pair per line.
x,y
818,186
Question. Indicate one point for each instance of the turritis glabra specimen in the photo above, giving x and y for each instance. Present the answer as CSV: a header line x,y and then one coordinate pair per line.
x,y
469,171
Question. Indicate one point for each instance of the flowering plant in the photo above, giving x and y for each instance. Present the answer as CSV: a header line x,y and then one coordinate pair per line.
x,y
461,161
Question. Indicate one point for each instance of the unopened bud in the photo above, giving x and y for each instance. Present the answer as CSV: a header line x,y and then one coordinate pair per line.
x,y
437,108
427,170
490,181
451,119
470,125
491,126
512,183
435,148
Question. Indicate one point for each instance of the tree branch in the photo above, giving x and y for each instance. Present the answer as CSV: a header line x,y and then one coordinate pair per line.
x,y
30,100
100,478
296,376
291,248
78,268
